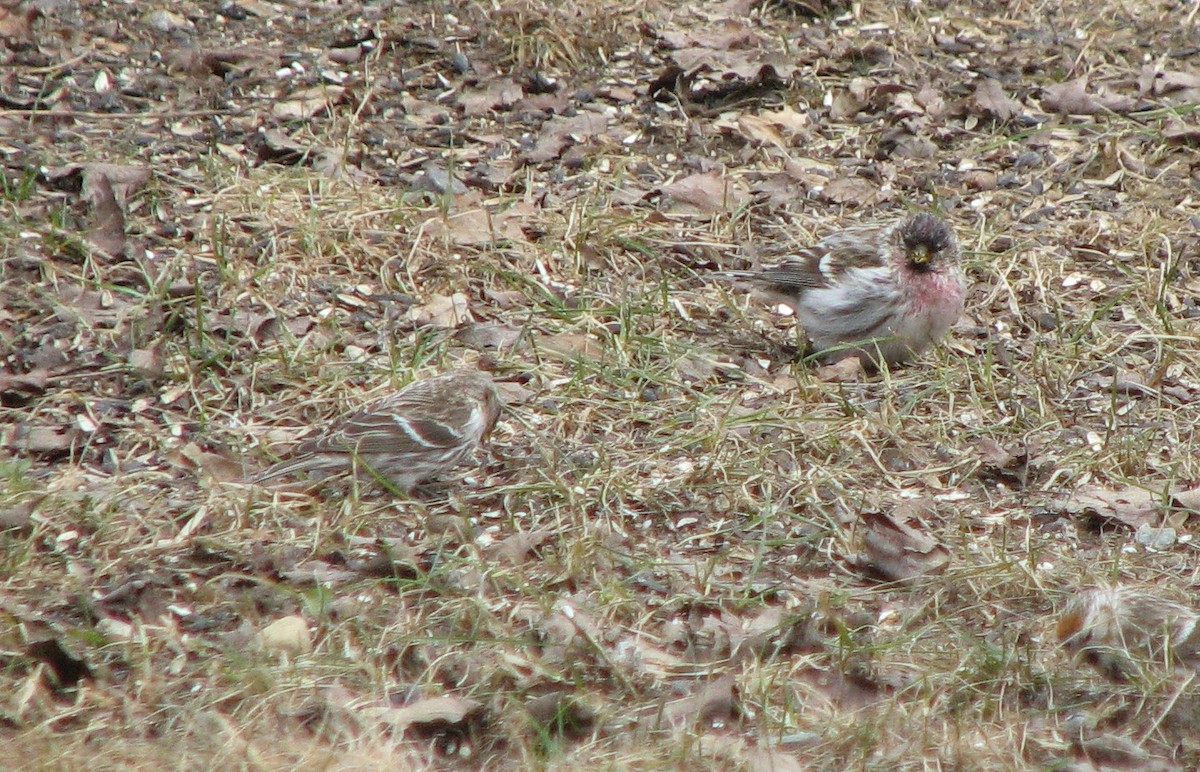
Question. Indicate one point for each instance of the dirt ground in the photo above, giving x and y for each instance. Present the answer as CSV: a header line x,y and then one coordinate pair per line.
x,y
224,224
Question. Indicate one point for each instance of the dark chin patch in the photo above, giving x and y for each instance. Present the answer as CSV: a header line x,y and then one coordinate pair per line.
x,y
927,231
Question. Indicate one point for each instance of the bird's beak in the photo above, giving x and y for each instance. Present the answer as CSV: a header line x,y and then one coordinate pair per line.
x,y
919,255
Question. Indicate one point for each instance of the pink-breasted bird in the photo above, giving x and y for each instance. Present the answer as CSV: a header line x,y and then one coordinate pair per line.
x,y
884,291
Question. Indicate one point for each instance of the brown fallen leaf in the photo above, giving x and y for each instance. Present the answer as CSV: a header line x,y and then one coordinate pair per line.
x,y
19,516
570,344
31,438
980,179
1070,98
1073,98
442,311
125,180
1128,505
289,635
428,713
714,702
16,23
489,336
519,547
757,129
478,226
896,551
1001,462
496,94
561,713
704,194
780,128
1188,499
512,393
1175,130
320,573
842,691
106,220
732,752
845,370
1107,750
226,63
561,132
216,466
16,387
990,99
147,362
854,191
306,103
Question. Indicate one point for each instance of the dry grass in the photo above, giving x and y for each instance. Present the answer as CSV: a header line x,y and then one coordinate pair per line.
x,y
672,502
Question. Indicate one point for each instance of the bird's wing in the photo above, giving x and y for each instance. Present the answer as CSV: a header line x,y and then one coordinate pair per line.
x,y
824,264
397,426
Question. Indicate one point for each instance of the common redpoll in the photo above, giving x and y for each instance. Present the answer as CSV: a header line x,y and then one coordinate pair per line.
x,y
426,428
885,291
1117,627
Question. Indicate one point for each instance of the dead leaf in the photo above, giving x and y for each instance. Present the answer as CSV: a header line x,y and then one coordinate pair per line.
x,y
68,670
218,467
738,753
713,703
489,336
501,93
842,691
1175,130
222,63
854,191
430,712
570,344
125,180
1002,462
695,369
16,387
561,132
147,362
979,179
561,713
1111,751
30,438
1188,499
442,311
895,551
19,516
288,635
478,226
306,103
990,99
845,370
1180,86
704,194
757,129
778,127
1072,98
1129,506
106,229
512,393
320,573
16,23
519,547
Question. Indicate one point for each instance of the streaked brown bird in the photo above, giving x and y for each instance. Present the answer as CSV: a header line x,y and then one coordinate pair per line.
x,y
1120,628
884,291
427,428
